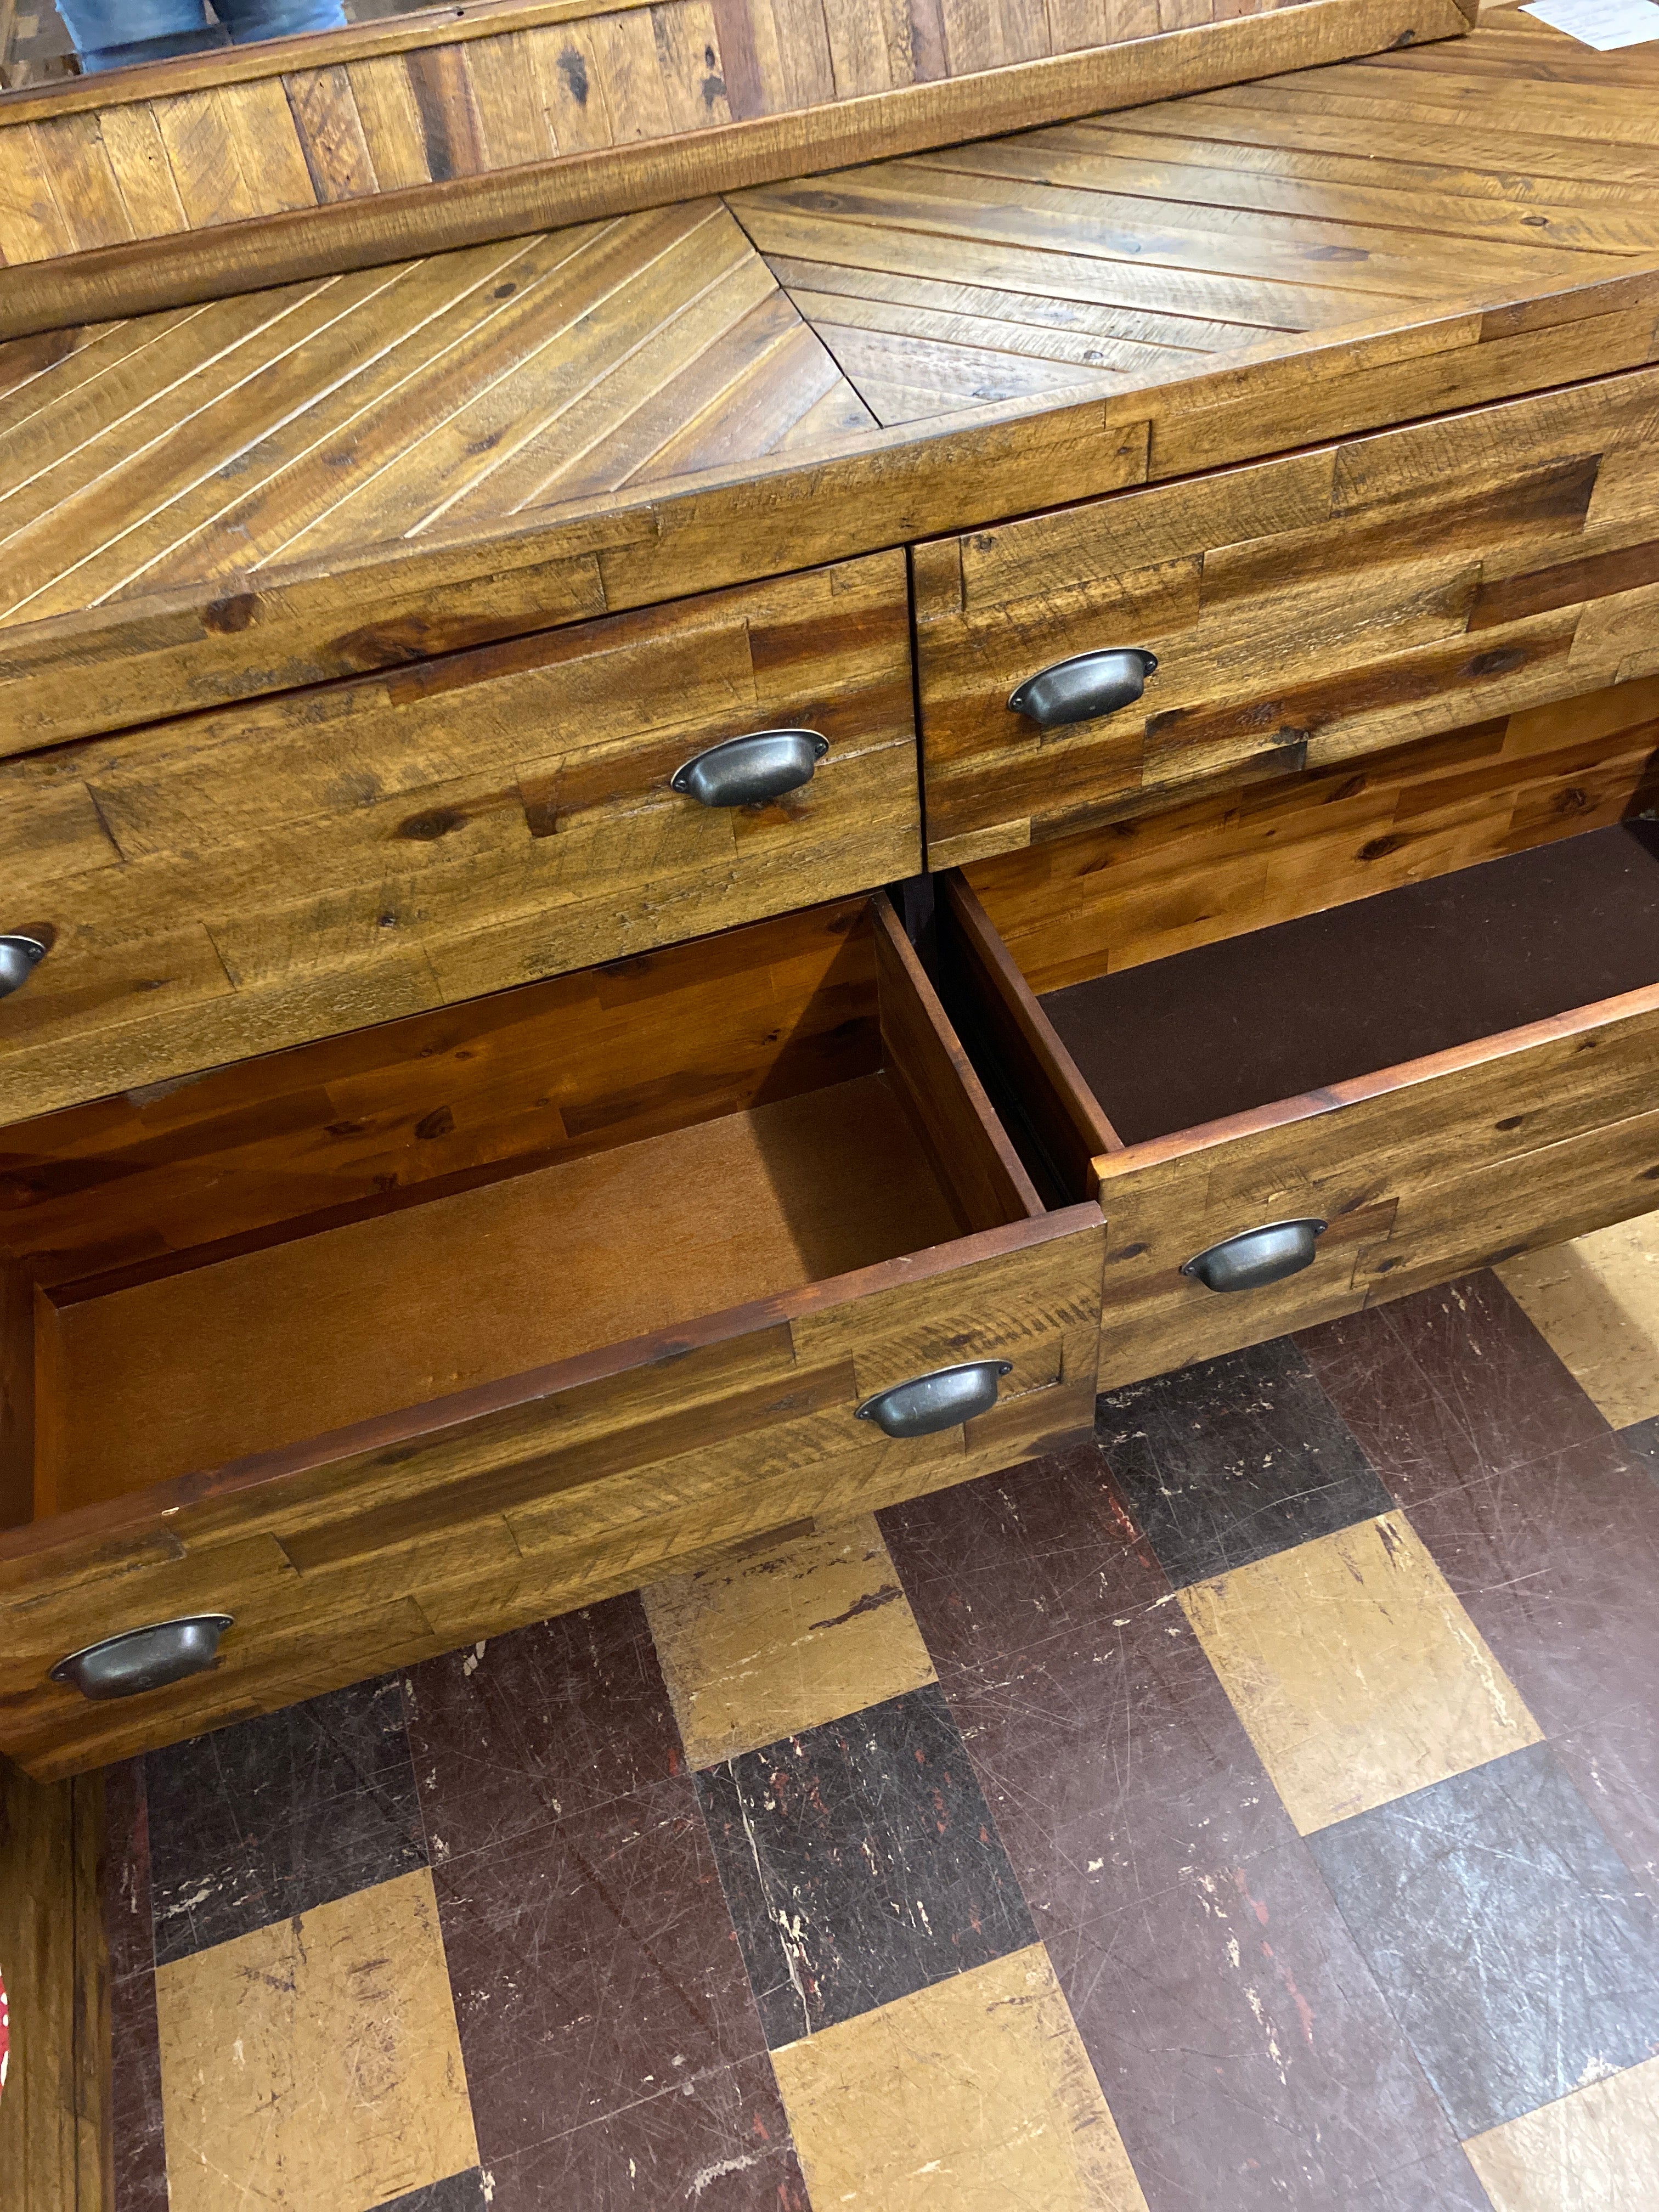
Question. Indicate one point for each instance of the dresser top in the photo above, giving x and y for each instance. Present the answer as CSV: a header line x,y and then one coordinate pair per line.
x,y
617,412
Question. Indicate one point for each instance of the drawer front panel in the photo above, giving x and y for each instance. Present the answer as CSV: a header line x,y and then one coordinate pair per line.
x,y
247,879
1302,611
1490,1150
410,1539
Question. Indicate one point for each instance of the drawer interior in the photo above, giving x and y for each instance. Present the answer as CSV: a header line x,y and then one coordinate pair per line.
x,y
1306,1004
288,1247
1157,976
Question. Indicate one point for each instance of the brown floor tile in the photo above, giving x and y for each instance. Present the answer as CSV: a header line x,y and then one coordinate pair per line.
x,y
1442,2182
1448,1384
720,2143
975,2095
1594,2151
784,1639
315,2063
1247,2053
1539,1522
1596,1303
508,1735
593,1964
1358,1675
1106,1747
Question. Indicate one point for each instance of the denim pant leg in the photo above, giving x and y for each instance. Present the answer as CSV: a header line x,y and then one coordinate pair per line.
x,y
109,34
247,19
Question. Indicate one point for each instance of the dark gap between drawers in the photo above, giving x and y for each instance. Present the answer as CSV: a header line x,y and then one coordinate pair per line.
x,y
1230,1026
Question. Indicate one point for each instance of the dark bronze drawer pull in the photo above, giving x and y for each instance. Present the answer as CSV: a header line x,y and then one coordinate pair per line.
x,y
750,771
940,1401
19,958
1257,1257
1087,685
145,1658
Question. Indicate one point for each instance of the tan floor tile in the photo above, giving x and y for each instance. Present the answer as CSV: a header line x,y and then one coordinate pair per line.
x,y
976,2095
1594,2151
1596,1301
785,1639
1355,1671
315,2064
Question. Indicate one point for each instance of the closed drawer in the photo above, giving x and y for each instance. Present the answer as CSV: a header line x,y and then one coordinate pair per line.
x,y
401,1338
244,880
1460,1067
1301,612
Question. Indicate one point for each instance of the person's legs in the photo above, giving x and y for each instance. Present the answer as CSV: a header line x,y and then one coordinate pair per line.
x,y
247,19
109,34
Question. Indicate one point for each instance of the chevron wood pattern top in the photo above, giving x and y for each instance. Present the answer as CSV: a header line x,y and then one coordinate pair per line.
x,y
1130,246
461,445
315,134
303,422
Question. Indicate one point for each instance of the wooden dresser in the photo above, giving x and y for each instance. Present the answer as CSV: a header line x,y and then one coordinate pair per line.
x,y
688,872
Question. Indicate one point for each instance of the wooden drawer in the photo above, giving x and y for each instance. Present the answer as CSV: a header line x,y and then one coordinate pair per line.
x,y
1301,612
243,880
393,1340
1210,1024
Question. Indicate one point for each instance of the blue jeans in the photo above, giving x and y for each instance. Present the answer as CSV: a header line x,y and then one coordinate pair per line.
x,y
109,34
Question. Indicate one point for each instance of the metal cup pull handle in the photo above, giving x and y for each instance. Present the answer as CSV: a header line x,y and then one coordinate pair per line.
x,y
1257,1257
1087,685
19,958
145,1658
750,771
940,1401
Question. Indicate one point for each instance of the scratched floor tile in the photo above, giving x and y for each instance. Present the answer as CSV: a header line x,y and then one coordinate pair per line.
x,y
1233,1459
1356,1673
1596,2150
593,1965
1542,1524
1596,1303
1514,1948
256,1822
860,1863
458,2192
138,2121
975,2095
1251,2061
720,2143
1105,1745
784,1638
315,2063
1641,1441
508,1735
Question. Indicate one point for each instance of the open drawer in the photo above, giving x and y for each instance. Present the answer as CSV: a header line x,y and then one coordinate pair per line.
x,y
1345,1039
394,1340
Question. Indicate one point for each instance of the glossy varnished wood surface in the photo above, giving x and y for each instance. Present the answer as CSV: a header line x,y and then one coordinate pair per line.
x,y
726,442
189,178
